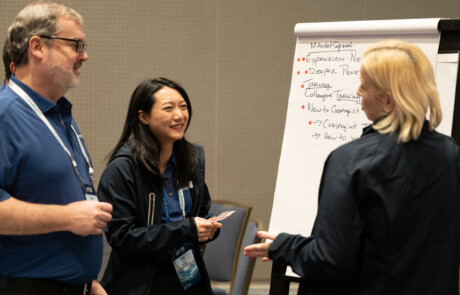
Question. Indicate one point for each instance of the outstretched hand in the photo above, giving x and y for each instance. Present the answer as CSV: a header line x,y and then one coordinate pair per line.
x,y
261,249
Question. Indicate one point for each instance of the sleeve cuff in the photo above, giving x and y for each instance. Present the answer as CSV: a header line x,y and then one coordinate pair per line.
x,y
276,244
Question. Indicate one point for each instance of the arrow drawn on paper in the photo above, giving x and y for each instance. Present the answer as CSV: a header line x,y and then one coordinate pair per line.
x,y
318,122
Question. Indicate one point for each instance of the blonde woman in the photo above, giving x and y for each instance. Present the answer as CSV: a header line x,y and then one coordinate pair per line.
x,y
388,215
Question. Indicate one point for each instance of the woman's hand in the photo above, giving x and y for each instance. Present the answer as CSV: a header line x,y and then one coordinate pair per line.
x,y
261,249
206,229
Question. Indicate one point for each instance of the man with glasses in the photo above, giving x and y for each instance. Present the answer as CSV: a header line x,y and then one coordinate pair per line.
x,y
50,219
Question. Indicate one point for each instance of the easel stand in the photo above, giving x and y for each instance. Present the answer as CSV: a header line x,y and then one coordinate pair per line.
x,y
450,43
280,282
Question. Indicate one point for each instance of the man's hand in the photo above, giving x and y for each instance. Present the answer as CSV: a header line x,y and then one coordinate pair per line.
x,y
88,217
81,218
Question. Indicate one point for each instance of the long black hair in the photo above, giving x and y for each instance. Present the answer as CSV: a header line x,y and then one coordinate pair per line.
x,y
145,146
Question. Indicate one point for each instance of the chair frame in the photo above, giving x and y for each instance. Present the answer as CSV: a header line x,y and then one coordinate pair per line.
x,y
240,236
252,261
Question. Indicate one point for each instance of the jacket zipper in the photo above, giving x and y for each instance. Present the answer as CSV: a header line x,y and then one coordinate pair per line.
x,y
151,212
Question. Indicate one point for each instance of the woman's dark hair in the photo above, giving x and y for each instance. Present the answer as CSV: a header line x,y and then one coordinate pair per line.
x,y
145,146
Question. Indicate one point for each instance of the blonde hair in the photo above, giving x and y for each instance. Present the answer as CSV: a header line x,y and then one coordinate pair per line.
x,y
403,69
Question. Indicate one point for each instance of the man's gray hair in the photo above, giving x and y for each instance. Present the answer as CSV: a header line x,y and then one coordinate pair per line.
x,y
38,18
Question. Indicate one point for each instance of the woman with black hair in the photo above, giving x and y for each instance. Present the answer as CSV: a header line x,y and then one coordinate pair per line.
x,y
155,182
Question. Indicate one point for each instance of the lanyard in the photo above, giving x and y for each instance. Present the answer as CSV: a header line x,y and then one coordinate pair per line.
x,y
39,113
181,203
91,172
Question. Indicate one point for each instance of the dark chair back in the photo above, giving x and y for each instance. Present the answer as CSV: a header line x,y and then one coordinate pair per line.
x,y
246,264
221,256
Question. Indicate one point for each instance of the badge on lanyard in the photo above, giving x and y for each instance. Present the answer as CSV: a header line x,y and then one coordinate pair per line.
x,y
185,265
90,192
182,257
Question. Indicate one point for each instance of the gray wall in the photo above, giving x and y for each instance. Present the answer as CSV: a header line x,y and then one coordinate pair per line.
x,y
233,57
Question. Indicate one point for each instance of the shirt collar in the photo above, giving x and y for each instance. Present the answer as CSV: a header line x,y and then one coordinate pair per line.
x,y
43,104
172,161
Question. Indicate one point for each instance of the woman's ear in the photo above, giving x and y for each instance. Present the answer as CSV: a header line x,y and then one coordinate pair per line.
x,y
389,102
142,117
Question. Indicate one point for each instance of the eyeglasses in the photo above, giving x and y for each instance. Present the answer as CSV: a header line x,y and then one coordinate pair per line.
x,y
79,46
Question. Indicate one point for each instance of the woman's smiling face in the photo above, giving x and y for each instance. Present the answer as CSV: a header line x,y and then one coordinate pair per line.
x,y
168,117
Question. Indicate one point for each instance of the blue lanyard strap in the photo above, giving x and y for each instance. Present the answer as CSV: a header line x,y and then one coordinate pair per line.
x,y
180,193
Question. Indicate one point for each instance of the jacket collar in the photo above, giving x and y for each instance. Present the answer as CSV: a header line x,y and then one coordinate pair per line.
x,y
370,129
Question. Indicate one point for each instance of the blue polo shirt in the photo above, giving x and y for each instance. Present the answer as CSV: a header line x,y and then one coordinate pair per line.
x,y
35,168
171,194
3,86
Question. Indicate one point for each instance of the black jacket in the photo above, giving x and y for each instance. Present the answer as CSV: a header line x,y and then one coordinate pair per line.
x,y
388,220
136,234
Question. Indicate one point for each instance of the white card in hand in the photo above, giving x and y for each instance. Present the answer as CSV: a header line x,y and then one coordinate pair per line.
x,y
222,216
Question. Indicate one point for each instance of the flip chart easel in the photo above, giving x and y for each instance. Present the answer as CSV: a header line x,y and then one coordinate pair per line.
x,y
324,111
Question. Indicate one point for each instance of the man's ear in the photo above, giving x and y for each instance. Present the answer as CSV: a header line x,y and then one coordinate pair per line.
x,y
142,117
12,68
389,102
36,47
